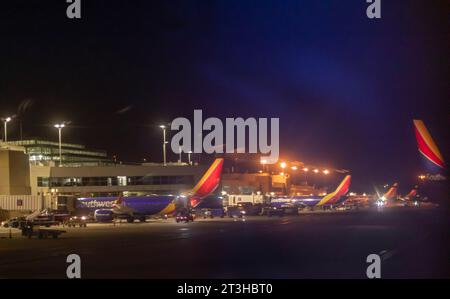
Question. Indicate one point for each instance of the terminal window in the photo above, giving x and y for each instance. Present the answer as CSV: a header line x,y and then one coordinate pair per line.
x,y
114,181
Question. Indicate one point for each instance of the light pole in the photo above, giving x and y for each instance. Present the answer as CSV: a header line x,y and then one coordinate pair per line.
x,y
5,122
164,143
60,127
189,157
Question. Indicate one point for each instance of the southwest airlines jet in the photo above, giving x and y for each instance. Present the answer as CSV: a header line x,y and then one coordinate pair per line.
x,y
332,198
140,207
434,163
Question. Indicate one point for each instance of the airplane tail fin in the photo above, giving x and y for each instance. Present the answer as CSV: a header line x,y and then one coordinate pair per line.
x,y
426,145
341,190
412,193
118,202
207,184
392,192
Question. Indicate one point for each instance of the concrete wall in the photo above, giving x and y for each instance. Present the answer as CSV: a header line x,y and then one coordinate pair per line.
x,y
35,172
4,172
14,172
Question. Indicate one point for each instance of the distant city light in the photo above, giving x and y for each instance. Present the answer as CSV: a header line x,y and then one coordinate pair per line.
x,y
294,167
316,170
326,171
283,165
305,169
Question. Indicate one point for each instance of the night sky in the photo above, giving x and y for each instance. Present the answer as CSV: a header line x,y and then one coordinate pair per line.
x,y
345,88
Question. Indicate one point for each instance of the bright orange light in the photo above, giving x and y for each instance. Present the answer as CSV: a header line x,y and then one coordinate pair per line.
x,y
326,171
282,173
263,161
422,177
283,165
294,167
316,170
305,169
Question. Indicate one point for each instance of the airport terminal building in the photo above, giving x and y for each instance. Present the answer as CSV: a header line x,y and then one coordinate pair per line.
x,y
113,180
45,152
30,176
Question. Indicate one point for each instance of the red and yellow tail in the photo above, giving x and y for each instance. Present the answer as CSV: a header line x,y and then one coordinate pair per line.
x,y
412,193
426,145
207,184
392,192
341,190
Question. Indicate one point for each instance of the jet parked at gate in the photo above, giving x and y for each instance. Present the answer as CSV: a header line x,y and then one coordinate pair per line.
x,y
333,198
141,207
